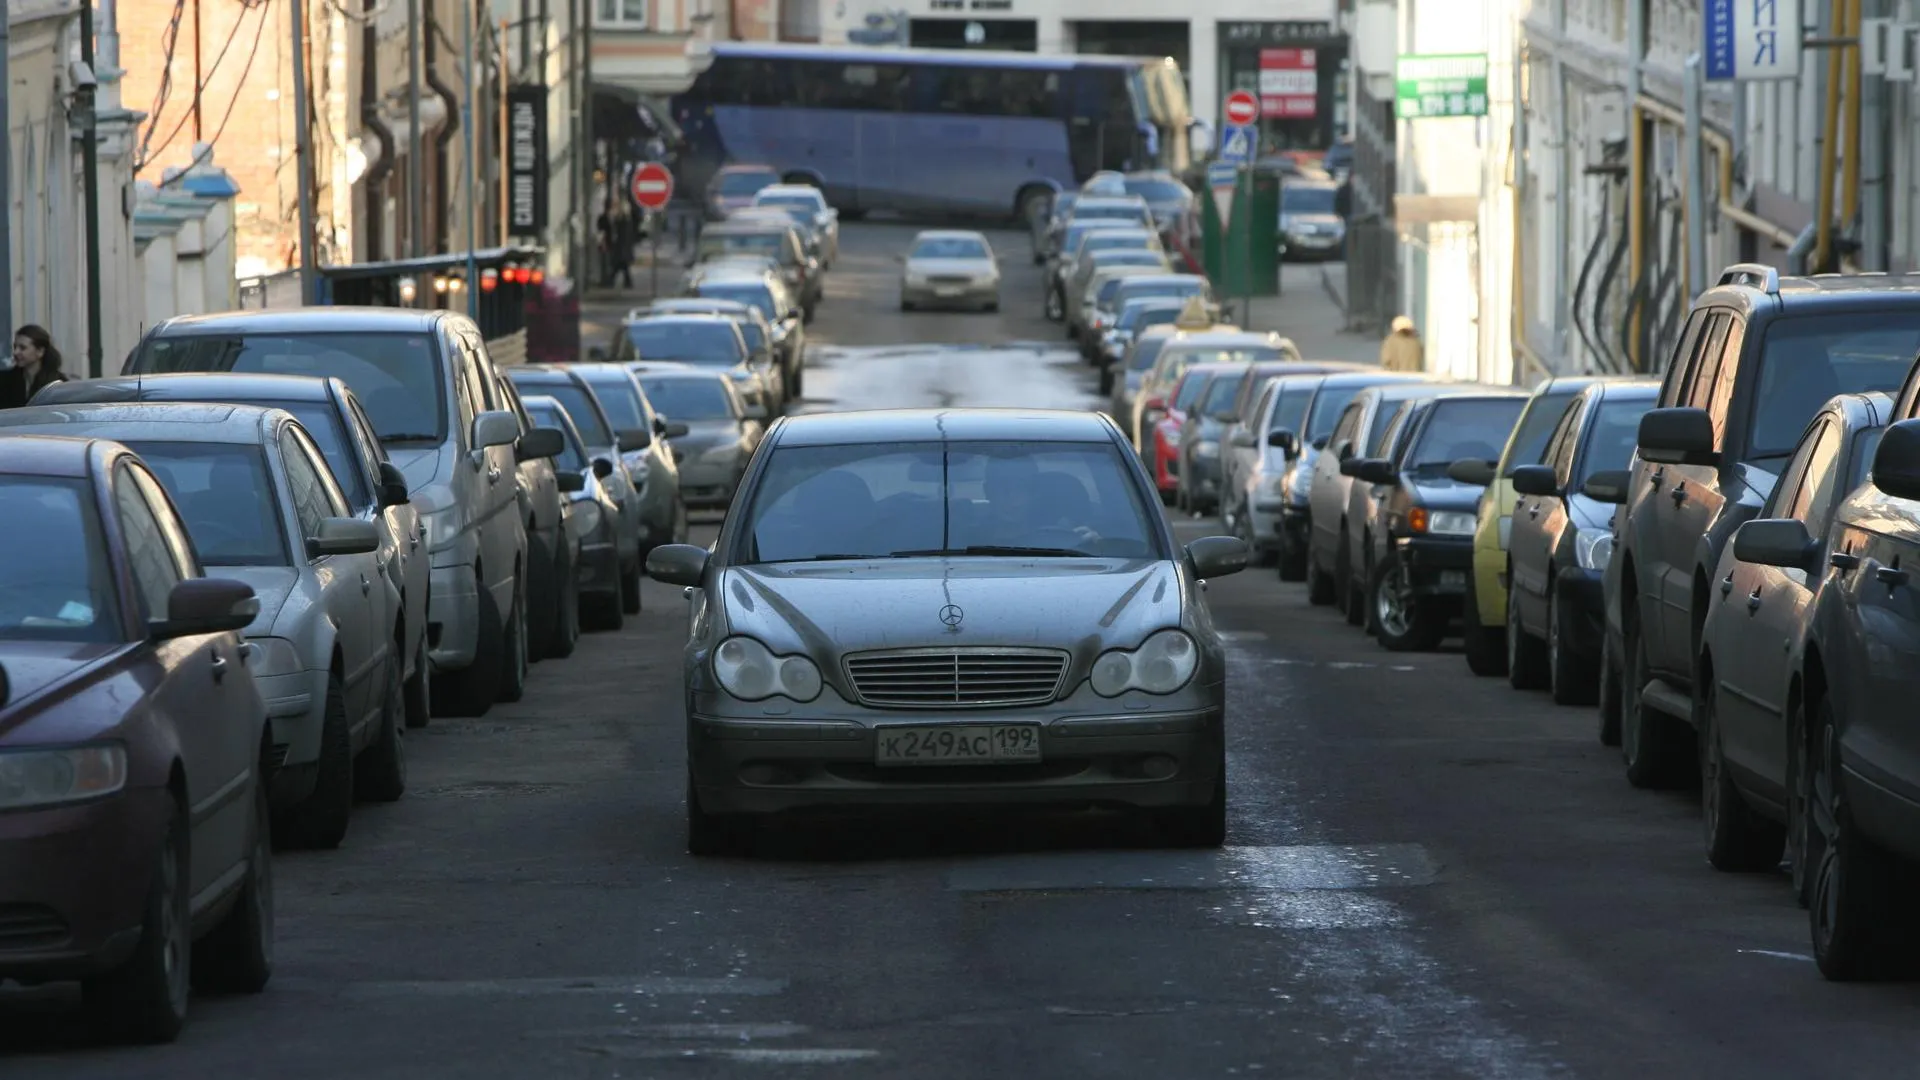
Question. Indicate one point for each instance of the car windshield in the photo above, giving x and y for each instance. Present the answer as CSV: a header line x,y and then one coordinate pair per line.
x,y
1221,393
1138,256
690,399
1529,440
1147,352
690,341
1178,290
1229,356
770,244
57,585
1306,200
927,499
619,398
579,405
1117,242
1613,432
571,457
1188,392
1463,429
396,376
751,293
949,247
1810,359
746,183
1157,189
1139,317
225,497
1290,409
799,200
1327,407
322,421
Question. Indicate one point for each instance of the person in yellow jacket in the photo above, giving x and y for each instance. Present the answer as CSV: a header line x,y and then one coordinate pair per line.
x,y
1402,350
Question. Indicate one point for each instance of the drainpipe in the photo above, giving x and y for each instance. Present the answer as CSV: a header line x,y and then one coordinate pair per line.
x,y
1802,246
376,177
442,139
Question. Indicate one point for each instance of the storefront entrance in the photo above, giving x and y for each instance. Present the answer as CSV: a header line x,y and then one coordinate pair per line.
x,y
1016,35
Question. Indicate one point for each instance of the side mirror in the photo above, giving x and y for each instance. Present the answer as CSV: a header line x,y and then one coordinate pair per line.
x,y
1284,441
677,564
1677,437
343,536
634,439
206,606
1374,471
1344,451
571,482
1156,404
602,468
1896,461
1218,556
676,430
1537,480
597,354
1608,486
541,443
1243,439
1782,542
1476,471
755,412
496,428
1351,466
393,486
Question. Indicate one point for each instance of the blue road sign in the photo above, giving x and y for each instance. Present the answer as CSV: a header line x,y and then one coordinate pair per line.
x,y
1238,144
1223,177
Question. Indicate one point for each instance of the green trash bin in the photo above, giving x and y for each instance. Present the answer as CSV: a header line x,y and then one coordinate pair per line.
x,y
1247,251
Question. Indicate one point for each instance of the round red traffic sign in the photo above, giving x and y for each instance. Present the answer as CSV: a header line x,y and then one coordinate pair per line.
x,y
1242,108
652,185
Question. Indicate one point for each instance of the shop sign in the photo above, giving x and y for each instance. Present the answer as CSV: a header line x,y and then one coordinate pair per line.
x,y
1289,83
1274,33
1749,42
527,160
1430,87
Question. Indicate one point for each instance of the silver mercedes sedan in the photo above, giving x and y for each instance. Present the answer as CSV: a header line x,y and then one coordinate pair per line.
x,y
951,608
950,268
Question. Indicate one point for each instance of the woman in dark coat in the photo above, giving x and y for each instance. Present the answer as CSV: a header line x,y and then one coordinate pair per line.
x,y
36,364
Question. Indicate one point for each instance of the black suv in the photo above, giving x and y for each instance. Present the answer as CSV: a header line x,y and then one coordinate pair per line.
x,y
1758,357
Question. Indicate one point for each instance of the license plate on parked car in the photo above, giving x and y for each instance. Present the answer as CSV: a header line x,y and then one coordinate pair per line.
x,y
956,744
949,290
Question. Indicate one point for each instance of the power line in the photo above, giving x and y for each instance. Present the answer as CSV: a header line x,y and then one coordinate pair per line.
x,y
169,41
206,80
252,53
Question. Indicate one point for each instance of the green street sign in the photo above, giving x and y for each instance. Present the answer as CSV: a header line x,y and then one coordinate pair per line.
x,y
1425,87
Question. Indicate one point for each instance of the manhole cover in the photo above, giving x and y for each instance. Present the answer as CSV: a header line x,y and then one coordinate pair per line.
x,y
489,789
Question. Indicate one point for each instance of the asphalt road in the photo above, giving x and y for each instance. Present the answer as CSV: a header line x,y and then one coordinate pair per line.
x,y
1428,876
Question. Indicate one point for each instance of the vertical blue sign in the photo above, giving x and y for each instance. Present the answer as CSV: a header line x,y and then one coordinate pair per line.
x,y
1720,53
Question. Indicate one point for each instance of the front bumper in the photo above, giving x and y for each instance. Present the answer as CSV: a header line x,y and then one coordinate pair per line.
x,y
774,766
453,617
706,484
958,296
296,716
73,884
1438,566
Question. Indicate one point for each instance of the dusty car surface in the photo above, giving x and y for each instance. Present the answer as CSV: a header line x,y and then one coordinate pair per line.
x,y
862,632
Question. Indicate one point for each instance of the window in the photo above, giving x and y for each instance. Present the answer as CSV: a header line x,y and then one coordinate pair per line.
x,y
168,516
1392,436
1565,441
1813,503
690,399
308,490
572,458
1529,443
1706,373
1221,392
983,498
752,293
1612,435
1146,351
1291,409
226,497
1269,389
1680,366
595,430
1346,429
687,341
621,13
1329,408
322,421
1187,394
1306,199
1720,398
148,556
620,399
1805,361
950,247
1464,429
739,80
1382,414
56,583
474,370
832,84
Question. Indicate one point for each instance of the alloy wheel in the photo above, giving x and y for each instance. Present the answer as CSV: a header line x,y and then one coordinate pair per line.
x,y
1393,601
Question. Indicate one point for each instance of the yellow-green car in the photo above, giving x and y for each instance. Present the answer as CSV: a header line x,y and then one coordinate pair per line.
x,y
1484,617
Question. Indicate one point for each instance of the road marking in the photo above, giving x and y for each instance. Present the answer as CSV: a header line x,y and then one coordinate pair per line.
x,y
1777,955
641,986
1325,866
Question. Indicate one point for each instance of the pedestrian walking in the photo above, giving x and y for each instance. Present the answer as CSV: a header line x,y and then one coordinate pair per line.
x,y
616,238
34,364
1402,350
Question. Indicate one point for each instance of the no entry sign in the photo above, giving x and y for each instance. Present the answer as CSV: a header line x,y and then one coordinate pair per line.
x,y
652,185
1242,108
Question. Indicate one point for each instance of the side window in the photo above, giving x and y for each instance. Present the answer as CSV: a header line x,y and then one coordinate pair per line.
x,y
1720,395
168,517
1344,430
361,432
1813,502
1252,417
148,554
1706,373
1565,439
484,396
511,401
1787,492
465,406
310,502
1680,365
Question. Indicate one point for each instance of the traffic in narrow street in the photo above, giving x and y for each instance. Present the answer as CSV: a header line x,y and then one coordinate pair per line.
x,y
1426,874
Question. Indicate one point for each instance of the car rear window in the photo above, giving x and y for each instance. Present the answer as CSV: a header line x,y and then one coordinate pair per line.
x,y
580,405
752,293
619,396
687,341
1809,359
690,399
56,583
1464,429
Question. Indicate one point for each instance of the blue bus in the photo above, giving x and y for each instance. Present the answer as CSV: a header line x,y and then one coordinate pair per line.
x,y
931,130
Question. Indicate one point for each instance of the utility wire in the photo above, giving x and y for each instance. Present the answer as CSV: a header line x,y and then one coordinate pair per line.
x,y
169,43
206,80
259,32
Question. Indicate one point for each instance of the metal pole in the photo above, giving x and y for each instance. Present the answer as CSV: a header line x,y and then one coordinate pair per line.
x,y
303,150
653,271
1696,166
6,190
500,148
1873,160
416,144
199,78
473,179
585,153
1246,247
90,193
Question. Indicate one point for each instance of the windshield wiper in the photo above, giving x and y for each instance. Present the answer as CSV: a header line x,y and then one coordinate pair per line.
x,y
993,549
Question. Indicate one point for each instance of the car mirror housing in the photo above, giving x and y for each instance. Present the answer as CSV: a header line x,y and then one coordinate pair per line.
x,y
1535,480
206,606
1373,471
1608,486
1782,542
1218,556
677,564
1896,461
1284,441
676,430
541,443
634,439
343,536
570,482
393,486
1475,471
1682,436
496,428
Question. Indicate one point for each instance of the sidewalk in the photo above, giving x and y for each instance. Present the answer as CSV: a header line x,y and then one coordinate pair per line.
x,y
603,307
1309,311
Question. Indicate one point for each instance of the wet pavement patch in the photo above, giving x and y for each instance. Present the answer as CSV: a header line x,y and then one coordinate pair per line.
x,y
1294,868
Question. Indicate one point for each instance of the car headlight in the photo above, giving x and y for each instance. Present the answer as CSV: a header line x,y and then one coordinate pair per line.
x,y
1162,664
270,656
749,671
1593,548
1207,448
31,779
443,528
1440,522
589,516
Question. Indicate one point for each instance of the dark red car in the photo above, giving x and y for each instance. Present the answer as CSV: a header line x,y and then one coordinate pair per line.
x,y
133,813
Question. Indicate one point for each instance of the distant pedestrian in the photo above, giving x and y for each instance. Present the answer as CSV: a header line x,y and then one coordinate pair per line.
x,y
1402,350
34,365
616,238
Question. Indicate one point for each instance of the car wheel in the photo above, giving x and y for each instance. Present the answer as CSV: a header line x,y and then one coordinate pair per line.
x,y
630,587
713,834
1407,623
513,681
1610,704
381,773
544,621
1739,841
1650,742
568,638
145,998
236,956
1856,917
1572,677
319,822
1369,613
472,690
419,687
1526,654
1486,646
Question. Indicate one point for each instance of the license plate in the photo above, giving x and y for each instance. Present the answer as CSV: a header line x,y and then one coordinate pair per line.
x,y
949,290
956,744
1453,579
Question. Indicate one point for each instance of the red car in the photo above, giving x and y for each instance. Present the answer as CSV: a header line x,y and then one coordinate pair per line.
x,y
134,831
1163,452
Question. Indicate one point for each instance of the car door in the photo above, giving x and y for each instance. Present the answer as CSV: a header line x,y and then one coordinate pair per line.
x,y
1327,496
1242,440
1685,498
358,599
537,491
502,528
204,688
1644,517
1538,522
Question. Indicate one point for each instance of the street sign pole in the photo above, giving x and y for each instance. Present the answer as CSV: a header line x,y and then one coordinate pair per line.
x,y
1246,267
1230,177
651,186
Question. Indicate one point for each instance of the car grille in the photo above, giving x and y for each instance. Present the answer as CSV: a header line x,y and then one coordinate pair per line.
x,y
949,279
31,926
956,678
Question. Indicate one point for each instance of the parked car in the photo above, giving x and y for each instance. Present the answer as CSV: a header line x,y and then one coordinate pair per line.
x,y
1241,435
1179,286
721,434
1218,345
811,241
1075,267
808,207
1757,358
431,391
779,322
593,523
542,506
1094,211
1169,200
1420,541
1043,225
1203,450
1117,343
780,241
949,268
655,469
733,187
1563,537
1310,228
125,704
1256,466
1164,461
1088,318
375,488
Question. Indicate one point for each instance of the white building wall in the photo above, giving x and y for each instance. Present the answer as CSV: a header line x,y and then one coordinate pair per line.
x,y
1439,279
44,178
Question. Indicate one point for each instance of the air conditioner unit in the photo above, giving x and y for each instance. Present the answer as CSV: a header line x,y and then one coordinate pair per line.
x,y
1605,116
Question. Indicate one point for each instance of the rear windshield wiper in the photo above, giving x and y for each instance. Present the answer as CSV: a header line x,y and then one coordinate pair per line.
x,y
994,549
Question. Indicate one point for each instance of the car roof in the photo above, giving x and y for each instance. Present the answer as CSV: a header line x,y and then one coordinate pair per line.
x,y
1208,371
63,456
1625,388
936,425
733,227
151,421
950,234
1175,303
192,386
589,370
544,374
686,305
308,320
1214,339
1410,391
686,372
789,189
1176,279
1376,376
702,317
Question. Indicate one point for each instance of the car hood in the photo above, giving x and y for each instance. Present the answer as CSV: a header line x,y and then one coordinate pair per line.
x,y
950,266
33,666
829,609
704,434
1445,493
271,584
1318,221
